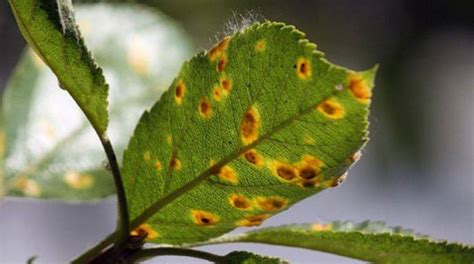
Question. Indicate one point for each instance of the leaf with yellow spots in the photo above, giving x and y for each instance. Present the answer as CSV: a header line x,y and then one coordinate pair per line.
x,y
258,123
368,241
49,142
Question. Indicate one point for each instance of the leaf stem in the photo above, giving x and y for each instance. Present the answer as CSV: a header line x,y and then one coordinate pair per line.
x,y
124,221
164,251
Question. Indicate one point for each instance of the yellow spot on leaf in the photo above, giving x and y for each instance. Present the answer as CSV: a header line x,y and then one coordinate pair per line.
x,y
253,157
78,180
217,93
175,163
309,140
146,156
204,218
250,125
158,165
219,49
205,108
303,68
145,230
273,203
240,202
180,90
321,227
359,88
226,85
227,173
252,220
260,46
332,109
169,140
28,187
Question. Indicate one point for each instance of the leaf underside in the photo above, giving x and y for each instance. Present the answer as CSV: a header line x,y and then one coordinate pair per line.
x,y
242,257
49,28
50,149
246,130
369,241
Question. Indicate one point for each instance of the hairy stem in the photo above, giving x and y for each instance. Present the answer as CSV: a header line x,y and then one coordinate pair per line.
x,y
165,251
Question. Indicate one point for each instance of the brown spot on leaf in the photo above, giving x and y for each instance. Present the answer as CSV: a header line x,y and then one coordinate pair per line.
x,y
180,90
303,68
332,109
205,108
253,157
175,163
222,64
252,220
226,84
144,230
219,49
273,203
285,171
359,88
204,218
249,126
240,202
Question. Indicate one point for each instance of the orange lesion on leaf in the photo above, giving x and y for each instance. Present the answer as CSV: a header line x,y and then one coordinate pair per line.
x,y
273,203
359,88
217,93
252,220
205,108
175,163
158,165
77,180
144,230
303,68
318,227
240,202
284,170
228,174
331,109
204,218
260,46
254,158
250,125
226,84
219,49
309,169
222,63
180,90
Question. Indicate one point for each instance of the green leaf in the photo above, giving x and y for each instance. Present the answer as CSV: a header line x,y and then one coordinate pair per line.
x,y
50,29
51,150
370,241
246,130
242,257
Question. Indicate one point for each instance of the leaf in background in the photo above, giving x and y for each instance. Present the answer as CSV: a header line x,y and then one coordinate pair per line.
x,y
51,150
242,257
50,29
369,241
246,130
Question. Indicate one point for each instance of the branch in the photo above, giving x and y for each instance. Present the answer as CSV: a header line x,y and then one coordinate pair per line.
x,y
165,251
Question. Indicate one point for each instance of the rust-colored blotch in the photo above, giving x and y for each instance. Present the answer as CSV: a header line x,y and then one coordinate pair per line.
x,y
222,64
260,46
303,68
253,157
204,218
179,92
226,84
273,203
240,202
332,109
359,88
218,50
252,220
285,171
158,165
144,230
175,163
228,174
249,126
205,108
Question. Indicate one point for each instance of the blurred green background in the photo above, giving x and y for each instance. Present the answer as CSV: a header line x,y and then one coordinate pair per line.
x,y
418,167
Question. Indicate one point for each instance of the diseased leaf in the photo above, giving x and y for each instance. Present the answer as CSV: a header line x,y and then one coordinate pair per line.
x,y
51,150
50,29
246,130
369,241
242,257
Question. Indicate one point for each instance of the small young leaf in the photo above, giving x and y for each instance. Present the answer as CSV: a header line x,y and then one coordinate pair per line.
x,y
51,150
369,241
242,257
246,130
49,27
